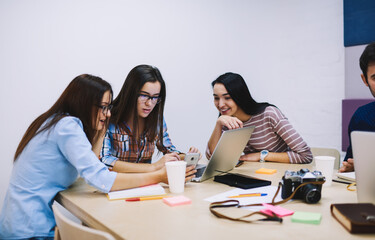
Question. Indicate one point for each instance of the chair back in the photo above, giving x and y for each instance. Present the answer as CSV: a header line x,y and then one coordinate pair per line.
x,y
327,152
70,230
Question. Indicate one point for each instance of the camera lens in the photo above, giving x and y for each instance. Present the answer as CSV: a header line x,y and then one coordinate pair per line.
x,y
311,193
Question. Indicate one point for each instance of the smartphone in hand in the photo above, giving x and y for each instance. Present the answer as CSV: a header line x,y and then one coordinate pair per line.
x,y
191,159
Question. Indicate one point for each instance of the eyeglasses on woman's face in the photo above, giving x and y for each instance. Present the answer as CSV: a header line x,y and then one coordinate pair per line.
x,y
144,98
106,108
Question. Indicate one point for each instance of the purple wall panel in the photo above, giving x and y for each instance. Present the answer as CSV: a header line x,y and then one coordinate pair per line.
x,y
349,106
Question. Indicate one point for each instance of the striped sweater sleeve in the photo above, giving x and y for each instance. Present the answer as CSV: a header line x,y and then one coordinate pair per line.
x,y
299,151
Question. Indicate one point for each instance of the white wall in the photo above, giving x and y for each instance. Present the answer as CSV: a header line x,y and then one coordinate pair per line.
x,y
290,53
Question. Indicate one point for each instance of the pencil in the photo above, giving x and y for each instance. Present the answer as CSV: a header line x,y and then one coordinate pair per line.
x,y
249,195
136,199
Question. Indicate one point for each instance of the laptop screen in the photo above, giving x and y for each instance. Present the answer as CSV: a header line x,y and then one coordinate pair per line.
x,y
227,151
364,164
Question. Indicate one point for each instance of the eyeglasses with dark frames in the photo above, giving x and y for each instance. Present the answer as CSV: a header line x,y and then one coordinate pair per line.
x,y
144,98
106,108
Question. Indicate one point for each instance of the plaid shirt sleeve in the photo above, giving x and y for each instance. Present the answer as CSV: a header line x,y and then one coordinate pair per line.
x,y
167,142
106,152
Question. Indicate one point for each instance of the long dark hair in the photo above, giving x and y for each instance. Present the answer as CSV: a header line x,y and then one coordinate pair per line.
x,y
78,100
239,92
125,104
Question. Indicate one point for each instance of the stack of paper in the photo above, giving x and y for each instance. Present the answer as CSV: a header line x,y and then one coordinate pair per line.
x,y
150,190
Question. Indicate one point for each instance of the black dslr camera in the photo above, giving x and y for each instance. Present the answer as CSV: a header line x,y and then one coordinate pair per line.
x,y
310,193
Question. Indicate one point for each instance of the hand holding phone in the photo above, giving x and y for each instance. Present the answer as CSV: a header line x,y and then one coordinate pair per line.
x,y
191,159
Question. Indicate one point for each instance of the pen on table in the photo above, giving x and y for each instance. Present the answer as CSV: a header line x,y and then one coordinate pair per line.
x,y
249,195
239,163
340,181
136,199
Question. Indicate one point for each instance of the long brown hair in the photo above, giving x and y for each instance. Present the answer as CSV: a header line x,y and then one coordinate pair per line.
x,y
125,104
77,100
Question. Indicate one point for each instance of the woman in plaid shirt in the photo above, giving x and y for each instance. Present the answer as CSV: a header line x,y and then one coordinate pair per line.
x,y
137,123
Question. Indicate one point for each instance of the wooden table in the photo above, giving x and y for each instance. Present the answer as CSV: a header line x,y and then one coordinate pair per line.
x,y
156,220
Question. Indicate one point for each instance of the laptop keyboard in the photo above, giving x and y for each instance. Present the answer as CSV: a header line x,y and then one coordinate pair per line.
x,y
200,170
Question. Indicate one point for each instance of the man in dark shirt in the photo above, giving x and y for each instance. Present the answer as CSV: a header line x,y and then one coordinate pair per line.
x,y
364,118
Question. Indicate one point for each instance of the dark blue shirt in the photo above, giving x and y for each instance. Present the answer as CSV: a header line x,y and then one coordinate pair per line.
x,y
362,120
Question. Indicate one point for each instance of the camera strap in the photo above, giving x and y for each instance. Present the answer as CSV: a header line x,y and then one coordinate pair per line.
x,y
235,203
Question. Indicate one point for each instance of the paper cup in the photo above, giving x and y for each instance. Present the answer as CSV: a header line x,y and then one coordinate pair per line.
x,y
176,176
325,164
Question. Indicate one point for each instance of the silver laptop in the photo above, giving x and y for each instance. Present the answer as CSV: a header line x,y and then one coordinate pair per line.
x,y
363,144
226,154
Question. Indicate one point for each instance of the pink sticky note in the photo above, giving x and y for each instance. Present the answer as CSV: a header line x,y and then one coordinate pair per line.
x,y
279,211
175,201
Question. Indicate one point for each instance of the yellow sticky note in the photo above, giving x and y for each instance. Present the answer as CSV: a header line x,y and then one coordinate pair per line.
x,y
266,171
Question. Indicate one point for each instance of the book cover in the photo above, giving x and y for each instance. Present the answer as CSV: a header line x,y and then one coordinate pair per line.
x,y
355,217
150,190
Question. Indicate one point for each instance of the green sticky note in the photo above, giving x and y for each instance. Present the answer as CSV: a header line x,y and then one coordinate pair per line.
x,y
307,217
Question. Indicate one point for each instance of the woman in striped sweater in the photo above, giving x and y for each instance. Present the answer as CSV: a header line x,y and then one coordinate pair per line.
x,y
274,139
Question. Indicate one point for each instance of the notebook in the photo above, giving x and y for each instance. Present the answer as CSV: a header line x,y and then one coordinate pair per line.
x,y
150,190
355,217
346,176
364,164
226,154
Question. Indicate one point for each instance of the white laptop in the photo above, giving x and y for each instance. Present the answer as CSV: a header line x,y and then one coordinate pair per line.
x,y
363,145
226,154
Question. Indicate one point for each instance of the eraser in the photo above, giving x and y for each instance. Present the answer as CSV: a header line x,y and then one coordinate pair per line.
x,y
176,201
266,171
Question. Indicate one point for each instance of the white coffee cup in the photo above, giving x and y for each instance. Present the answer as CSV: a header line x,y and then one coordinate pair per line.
x,y
176,176
325,165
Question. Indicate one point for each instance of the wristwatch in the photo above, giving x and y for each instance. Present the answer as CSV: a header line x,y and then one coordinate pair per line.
x,y
263,155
